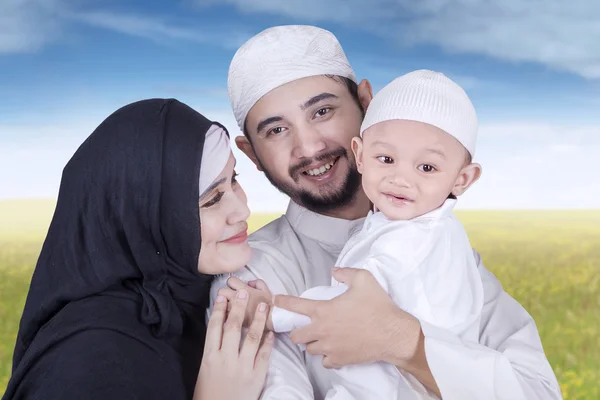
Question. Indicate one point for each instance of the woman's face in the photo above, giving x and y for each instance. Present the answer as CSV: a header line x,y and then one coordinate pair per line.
x,y
224,228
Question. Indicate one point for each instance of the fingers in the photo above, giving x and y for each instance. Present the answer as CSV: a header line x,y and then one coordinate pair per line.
x,y
304,335
229,294
258,284
236,283
296,304
233,326
255,333
349,276
261,363
316,348
214,330
328,364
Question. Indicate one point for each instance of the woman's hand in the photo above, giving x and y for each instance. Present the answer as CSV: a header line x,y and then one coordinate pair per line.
x,y
258,292
229,371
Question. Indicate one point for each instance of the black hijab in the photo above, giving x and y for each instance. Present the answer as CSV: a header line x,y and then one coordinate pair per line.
x,y
121,253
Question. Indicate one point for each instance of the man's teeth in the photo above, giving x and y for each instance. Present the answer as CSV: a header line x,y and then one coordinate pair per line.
x,y
320,171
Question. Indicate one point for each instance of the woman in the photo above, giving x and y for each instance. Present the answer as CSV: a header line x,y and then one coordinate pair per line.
x,y
148,211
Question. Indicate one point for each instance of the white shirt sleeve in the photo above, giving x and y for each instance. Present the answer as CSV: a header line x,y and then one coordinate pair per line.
x,y
508,364
286,321
287,378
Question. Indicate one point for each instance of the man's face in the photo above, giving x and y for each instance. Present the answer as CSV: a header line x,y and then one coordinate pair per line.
x,y
301,135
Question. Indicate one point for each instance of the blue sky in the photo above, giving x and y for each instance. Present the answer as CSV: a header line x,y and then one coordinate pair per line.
x,y
534,78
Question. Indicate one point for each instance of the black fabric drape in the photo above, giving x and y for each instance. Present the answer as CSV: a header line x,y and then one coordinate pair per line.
x,y
116,306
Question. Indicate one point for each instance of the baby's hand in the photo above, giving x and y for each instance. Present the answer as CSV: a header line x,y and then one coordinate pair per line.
x,y
258,292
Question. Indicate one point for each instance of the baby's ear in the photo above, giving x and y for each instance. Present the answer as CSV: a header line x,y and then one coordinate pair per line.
x,y
357,149
468,175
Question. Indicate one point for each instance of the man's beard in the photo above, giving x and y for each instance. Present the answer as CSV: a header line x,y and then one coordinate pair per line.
x,y
328,199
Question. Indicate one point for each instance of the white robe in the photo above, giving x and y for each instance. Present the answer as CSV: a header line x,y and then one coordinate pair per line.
x,y
427,266
297,251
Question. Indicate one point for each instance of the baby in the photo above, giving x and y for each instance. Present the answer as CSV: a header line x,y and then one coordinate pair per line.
x,y
415,150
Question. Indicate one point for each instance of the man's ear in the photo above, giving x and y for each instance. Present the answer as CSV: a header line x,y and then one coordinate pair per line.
x,y
365,93
357,149
468,176
245,147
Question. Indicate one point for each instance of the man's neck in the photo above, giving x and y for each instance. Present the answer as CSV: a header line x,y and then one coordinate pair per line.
x,y
358,208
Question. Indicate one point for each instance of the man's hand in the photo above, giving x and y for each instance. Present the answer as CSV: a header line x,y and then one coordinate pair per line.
x,y
258,292
362,325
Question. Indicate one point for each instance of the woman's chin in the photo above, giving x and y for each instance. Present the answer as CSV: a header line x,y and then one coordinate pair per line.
x,y
225,259
237,257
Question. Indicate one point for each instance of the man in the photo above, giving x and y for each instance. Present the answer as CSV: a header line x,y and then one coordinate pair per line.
x,y
296,99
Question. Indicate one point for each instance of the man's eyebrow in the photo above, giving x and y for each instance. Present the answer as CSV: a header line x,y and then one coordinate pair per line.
x,y
262,124
320,97
212,186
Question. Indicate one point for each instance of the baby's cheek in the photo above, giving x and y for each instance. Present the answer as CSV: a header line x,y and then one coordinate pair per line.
x,y
371,184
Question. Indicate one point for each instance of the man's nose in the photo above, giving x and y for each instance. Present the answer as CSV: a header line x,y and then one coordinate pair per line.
x,y
309,142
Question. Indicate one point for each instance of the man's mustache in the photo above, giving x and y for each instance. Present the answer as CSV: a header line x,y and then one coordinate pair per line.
x,y
295,170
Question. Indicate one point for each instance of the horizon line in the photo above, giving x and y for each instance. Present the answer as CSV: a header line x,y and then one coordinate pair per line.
x,y
50,199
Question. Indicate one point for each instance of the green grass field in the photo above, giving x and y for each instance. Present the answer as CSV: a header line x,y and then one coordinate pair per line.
x,y
548,260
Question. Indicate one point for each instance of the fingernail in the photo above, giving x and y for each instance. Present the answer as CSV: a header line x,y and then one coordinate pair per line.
x,y
242,294
262,307
220,299
336,268
270,336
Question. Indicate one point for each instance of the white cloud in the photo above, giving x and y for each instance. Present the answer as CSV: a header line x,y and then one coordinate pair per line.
x,y
27,25
543,133
560,34
310,10
32,157
155,28
136,25
537,166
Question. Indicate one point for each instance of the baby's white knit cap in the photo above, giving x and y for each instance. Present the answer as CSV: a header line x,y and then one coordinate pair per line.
x,y
429,97
280,55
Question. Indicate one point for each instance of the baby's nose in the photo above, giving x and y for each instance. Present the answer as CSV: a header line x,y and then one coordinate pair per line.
x,y
401,180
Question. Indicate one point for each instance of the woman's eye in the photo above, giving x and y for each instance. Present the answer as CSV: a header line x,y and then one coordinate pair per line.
x,y
216,198
234,178
386,159
426,168
323,111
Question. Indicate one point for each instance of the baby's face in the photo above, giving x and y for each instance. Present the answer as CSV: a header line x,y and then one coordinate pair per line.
x,y
409,168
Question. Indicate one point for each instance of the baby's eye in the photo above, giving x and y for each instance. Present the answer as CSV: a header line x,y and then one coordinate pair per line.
x,y
426,168
386,159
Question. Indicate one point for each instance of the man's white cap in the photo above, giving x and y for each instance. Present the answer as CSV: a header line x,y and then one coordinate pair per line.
x,y
429,97
280,55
